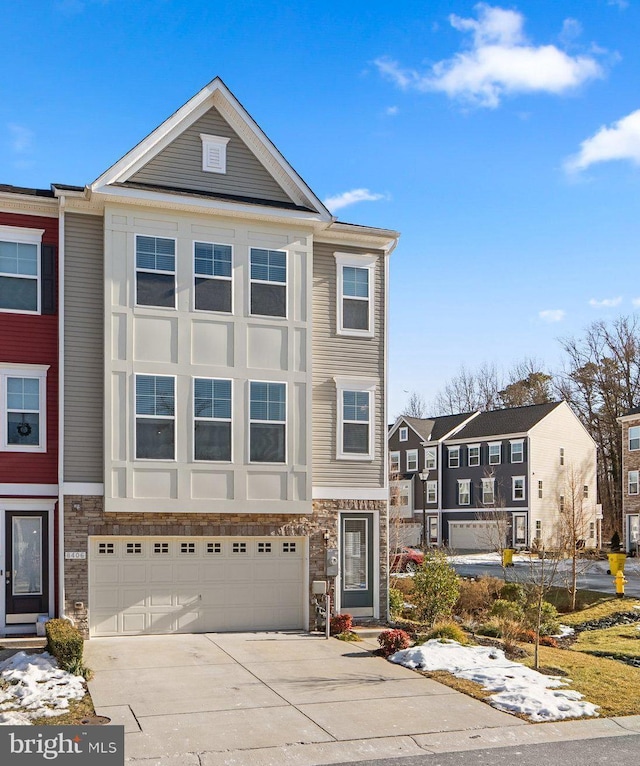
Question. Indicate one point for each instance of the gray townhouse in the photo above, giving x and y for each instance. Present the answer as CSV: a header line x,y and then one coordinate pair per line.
x,y
222,388
487,480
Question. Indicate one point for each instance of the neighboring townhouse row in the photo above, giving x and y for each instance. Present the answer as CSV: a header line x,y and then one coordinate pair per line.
x,y
222,389
518,477
630,424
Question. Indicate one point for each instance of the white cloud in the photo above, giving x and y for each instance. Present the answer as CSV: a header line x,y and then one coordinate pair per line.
x,y
21,138
571,30
391,111
605,303
500,62
636,302
351,197
622,4
552,315
619,142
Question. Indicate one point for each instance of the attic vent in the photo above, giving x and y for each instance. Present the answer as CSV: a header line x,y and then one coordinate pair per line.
x,y
214,153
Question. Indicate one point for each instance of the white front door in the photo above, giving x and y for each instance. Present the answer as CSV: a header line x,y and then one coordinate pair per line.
x,y
633,532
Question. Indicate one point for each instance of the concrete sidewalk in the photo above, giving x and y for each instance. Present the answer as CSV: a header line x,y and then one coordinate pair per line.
x,y
292,698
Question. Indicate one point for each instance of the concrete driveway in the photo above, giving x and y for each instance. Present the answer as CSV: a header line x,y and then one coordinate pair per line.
x,y
264,698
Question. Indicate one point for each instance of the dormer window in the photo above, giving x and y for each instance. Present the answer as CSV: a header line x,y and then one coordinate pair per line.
x,y
214,153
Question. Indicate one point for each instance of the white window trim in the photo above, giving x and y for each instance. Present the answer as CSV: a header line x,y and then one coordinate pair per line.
x,y
466,482
470,447
358,262
394,456
155,271
636,482
220,143
514,479
24,236
403,434
492,483
284,284
632,449
154,417
38,371
450,452
494,444
209,420
434,452
211,276
521,443
364,385
414,454
269,422
432,490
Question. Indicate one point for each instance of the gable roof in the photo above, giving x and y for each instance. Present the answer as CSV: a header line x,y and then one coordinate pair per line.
x,y
214,96
432,429
514,420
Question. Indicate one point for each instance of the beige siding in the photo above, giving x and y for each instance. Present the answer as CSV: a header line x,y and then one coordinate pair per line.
x,y
83,343
344,356
180,165
561,429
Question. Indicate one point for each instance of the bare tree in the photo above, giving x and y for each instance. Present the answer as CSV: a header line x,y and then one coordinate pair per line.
x,y
601,381
416,407
469,391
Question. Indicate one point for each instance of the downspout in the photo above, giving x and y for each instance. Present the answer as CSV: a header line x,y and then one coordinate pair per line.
x,y
61,291
384,440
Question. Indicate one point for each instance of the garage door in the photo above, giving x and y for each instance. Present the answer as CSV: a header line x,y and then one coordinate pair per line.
x,y
189,585
473,535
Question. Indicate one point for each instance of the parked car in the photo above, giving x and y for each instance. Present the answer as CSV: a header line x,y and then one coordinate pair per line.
x,y
406,560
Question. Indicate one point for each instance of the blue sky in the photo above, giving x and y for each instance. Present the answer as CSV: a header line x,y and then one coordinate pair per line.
x,y
502,140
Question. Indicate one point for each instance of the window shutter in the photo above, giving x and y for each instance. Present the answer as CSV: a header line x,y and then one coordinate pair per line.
x,y
48,277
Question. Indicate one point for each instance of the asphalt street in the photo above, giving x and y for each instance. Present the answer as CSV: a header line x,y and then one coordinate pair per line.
x,y
621,751
589,578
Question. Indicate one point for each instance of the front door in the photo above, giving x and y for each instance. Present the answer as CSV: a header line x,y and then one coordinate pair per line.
x,y
357,561
26,566
633,532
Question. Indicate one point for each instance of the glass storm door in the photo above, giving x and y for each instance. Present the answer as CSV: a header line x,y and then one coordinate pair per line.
x,y
519,529
357,561
26,566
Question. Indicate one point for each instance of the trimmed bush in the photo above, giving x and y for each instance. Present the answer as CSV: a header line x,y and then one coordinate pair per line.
x,y
392,641
507,610
65,643
446,630
549,622
513,591
341,623
435,588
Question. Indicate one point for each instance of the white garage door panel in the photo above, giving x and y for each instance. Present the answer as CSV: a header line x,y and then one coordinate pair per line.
x,y
195,584
472,535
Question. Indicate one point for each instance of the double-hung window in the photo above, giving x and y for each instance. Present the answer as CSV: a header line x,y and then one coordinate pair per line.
x,y
155,271
464,491
22,408
355,278
634,435
155,417
213,281
495,453
267,422
394,462
488,491
403,434
473,454
412,460
432,492
430,458
634,482
355,406
268,282
517,451
20,269
517,487
454,457
212,419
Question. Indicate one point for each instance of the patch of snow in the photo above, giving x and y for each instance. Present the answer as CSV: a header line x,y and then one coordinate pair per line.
x,y
36,687
565,630
516,688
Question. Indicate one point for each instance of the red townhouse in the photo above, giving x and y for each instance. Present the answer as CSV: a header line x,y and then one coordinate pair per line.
x,y
28,406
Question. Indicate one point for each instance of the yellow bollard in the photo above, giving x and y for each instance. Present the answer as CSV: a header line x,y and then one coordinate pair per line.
x,y
620,581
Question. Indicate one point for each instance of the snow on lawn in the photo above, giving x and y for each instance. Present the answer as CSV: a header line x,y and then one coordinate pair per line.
x,y
517,689
33,686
